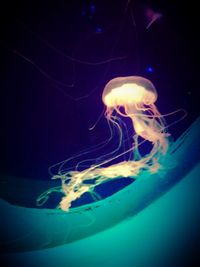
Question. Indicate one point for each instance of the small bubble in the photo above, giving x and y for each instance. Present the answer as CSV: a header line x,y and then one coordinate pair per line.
x,y
149,69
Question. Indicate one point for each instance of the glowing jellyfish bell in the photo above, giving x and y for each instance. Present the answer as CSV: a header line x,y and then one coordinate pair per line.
x,y
134,98
134,94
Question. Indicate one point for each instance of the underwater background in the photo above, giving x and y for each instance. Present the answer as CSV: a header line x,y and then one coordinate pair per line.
x,y
56,58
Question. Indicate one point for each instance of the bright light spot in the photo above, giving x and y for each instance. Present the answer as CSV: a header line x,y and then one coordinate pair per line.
x,y
149,69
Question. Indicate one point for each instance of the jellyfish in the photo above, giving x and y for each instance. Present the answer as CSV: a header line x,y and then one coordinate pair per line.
x,y
137,96
132,98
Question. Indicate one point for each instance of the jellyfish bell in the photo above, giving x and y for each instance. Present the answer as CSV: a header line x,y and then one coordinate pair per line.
x,y
132,89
